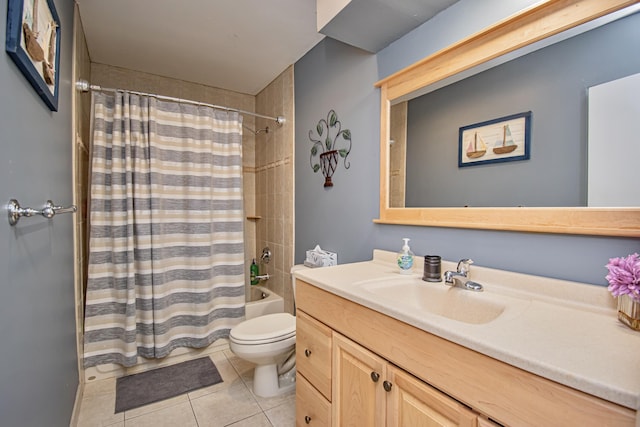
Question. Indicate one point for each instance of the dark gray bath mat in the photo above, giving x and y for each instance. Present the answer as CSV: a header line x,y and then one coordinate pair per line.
x,y
141,389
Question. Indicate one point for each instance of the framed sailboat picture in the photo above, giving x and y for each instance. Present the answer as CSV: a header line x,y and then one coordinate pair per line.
x,y
505,139
33,43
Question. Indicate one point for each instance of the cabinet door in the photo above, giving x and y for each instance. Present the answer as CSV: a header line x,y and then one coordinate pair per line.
x,y
358,393
483,422
412,403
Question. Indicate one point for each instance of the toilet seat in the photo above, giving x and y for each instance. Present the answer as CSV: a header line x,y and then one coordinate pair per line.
x,y
264,329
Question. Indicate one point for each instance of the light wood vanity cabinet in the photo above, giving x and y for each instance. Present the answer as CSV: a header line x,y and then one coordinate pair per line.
x,y
341,383
364,389
432,381
369,391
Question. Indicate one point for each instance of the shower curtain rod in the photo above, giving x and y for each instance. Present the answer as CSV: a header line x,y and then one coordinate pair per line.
x,y
84,86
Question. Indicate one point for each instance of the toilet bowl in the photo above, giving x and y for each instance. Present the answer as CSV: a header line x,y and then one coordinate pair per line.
x,y
268,341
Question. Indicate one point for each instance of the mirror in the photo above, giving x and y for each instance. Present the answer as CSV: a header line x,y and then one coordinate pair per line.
x,y
541,24
552,83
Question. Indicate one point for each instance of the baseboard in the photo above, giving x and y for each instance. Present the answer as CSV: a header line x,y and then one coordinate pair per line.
x,y
77,405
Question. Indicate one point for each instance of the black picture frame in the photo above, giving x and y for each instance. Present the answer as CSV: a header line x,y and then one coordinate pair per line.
x,y
504,139
30,42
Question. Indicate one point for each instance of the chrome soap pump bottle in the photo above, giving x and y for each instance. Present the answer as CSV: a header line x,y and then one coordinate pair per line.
x,y
405,258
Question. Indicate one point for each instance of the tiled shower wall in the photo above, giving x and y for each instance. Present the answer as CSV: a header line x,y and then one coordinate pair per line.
x,y
274,182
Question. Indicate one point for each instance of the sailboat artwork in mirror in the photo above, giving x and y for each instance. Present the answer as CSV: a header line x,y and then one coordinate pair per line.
x,y
509,139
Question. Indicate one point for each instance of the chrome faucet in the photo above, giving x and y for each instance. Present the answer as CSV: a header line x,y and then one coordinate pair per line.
x,y
462,271
266,255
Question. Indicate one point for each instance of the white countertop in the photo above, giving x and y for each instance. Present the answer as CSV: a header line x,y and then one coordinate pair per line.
x,y
565,331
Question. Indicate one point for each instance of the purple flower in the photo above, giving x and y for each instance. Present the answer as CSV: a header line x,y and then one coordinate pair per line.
x,y
624,276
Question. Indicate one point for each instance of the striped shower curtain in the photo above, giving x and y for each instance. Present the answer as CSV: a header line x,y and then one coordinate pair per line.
x,y
166,252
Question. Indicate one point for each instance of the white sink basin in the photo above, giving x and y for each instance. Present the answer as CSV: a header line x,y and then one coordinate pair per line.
x,y
437,298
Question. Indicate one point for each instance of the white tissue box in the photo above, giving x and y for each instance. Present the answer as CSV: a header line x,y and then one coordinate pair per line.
x,y
317,257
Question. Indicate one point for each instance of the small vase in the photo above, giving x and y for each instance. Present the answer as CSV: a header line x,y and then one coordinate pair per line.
x,y
329,161
629,312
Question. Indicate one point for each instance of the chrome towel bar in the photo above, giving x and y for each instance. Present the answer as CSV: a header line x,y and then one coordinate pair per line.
x,y
15,211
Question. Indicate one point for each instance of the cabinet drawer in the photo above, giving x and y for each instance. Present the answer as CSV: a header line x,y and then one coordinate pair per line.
x,y
313,352
312,409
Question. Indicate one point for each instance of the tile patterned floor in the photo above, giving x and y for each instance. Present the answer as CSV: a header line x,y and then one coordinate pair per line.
x,y
230,403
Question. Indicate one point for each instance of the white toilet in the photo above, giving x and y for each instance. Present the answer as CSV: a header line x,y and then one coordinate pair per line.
x,y
269,342
266,341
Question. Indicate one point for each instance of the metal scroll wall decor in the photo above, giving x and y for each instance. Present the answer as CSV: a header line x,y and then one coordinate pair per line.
x,y
329,142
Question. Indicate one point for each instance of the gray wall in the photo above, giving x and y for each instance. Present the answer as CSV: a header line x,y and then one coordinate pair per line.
x,y
552,83
38,370
334,75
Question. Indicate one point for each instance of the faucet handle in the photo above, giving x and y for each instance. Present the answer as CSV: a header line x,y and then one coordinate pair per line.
x,y
463,265
266,255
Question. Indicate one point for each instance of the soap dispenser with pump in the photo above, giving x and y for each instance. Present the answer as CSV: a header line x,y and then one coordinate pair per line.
x,y
405,258
254,272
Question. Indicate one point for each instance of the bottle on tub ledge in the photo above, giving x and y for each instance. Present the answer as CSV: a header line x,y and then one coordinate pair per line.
x,y
405,258
254,273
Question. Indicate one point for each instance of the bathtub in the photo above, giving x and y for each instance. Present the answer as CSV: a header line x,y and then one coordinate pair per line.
x,y
260,301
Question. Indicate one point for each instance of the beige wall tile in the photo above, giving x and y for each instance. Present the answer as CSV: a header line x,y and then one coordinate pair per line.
x,y
274,183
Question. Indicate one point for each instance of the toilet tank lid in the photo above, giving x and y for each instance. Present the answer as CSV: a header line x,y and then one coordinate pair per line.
x,y
270,326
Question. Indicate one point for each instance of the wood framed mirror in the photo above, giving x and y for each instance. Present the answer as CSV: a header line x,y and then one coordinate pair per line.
x,y
532,25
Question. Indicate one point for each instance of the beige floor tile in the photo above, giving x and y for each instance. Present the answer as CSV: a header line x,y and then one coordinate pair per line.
x,y
93,418
227,372
177,415
100,387
96,413
156,406
271,402
245,370
242,367
226,406
98,405
258,420
283,415
228,403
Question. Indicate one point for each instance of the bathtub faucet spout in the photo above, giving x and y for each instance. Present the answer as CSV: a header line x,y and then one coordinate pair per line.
x,y
262,277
